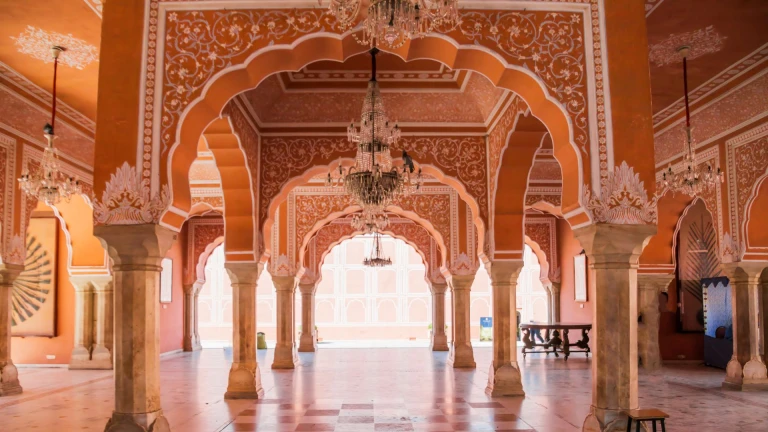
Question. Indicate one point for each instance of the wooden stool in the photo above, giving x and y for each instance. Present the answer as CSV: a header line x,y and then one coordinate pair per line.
x,y
641,415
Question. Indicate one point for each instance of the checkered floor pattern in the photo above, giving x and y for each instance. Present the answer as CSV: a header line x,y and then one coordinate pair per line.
x,y
378,415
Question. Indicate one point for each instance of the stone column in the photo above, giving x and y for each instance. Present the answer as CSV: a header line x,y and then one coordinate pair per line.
x,y
504,374
81,353
244,375
136,252
191,335
648,288
308,339
439,340
554,289
461,355
285,349
94,322
613,252
9,376
104,325
746,370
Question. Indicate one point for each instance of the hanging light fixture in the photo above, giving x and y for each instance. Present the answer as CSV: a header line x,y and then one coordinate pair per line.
x,y
370,221
48,183
373,181
392,23
376,259
695,178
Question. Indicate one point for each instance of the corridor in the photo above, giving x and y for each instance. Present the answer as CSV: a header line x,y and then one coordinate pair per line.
x,y
385,389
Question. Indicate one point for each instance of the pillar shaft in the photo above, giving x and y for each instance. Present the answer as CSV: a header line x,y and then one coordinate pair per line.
x,y
104,327
613,252
191,333
244,375
554,304
504,375
285,348
746,370
648,288
308,339
439,340
81,353
9,375
136,252
461,353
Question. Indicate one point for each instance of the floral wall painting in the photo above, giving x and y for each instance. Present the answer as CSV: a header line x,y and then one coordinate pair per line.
x,y
33,299
580,277
166,281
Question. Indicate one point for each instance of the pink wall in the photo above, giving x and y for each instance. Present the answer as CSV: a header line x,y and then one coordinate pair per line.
x,y
567,248
172,314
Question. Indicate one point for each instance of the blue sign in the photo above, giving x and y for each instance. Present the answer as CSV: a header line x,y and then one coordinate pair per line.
x,y
486,328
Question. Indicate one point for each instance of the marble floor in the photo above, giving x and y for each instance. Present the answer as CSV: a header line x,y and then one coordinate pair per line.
x,y
378,389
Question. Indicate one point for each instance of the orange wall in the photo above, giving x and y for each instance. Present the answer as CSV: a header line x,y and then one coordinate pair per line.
x,y
33,350
567,248
172,314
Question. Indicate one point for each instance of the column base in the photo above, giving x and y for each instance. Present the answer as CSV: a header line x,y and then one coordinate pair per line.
x,y
285,358
603,420
505,381
192,345
307,343
9,380
100,358
244,382
439,343
129,422
751,377
462,357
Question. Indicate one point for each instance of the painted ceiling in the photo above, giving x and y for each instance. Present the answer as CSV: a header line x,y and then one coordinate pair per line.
x,y
729,39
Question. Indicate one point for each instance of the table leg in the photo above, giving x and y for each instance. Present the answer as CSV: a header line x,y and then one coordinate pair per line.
x,y
566,344
663,428
629,424
637,427
654,426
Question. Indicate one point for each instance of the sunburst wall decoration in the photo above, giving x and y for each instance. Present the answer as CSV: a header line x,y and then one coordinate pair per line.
x,y
33,300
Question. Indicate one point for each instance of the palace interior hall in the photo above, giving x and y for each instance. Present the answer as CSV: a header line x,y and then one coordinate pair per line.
x,y
383,215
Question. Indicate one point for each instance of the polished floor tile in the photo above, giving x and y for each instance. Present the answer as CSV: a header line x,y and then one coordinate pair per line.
x,y
378,389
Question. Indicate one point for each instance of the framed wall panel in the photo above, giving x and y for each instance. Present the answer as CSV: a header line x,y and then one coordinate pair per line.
x,y
33,300
580,277
166,281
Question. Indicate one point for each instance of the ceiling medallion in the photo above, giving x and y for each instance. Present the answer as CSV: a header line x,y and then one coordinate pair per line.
x,y
696,177
48,183
373,182
376,259
392,23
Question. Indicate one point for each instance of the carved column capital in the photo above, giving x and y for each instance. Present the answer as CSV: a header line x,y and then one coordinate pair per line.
x,y
439,288
284,283
461,282
244,273
504,272
307,288
654,282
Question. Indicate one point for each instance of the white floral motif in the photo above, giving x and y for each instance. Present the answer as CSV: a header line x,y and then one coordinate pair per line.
x,y
127,200
37,43
463,265
730,250
622,200
702,41
282,266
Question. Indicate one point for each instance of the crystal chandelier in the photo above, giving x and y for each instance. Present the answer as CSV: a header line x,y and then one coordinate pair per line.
x,y
49,184
694,179
373,181
395,22
370,221
376,260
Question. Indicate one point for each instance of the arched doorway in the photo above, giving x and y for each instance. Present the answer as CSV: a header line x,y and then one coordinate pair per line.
x,y
387,306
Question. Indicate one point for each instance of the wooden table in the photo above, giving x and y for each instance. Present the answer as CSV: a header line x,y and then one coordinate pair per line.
x,y
553,340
